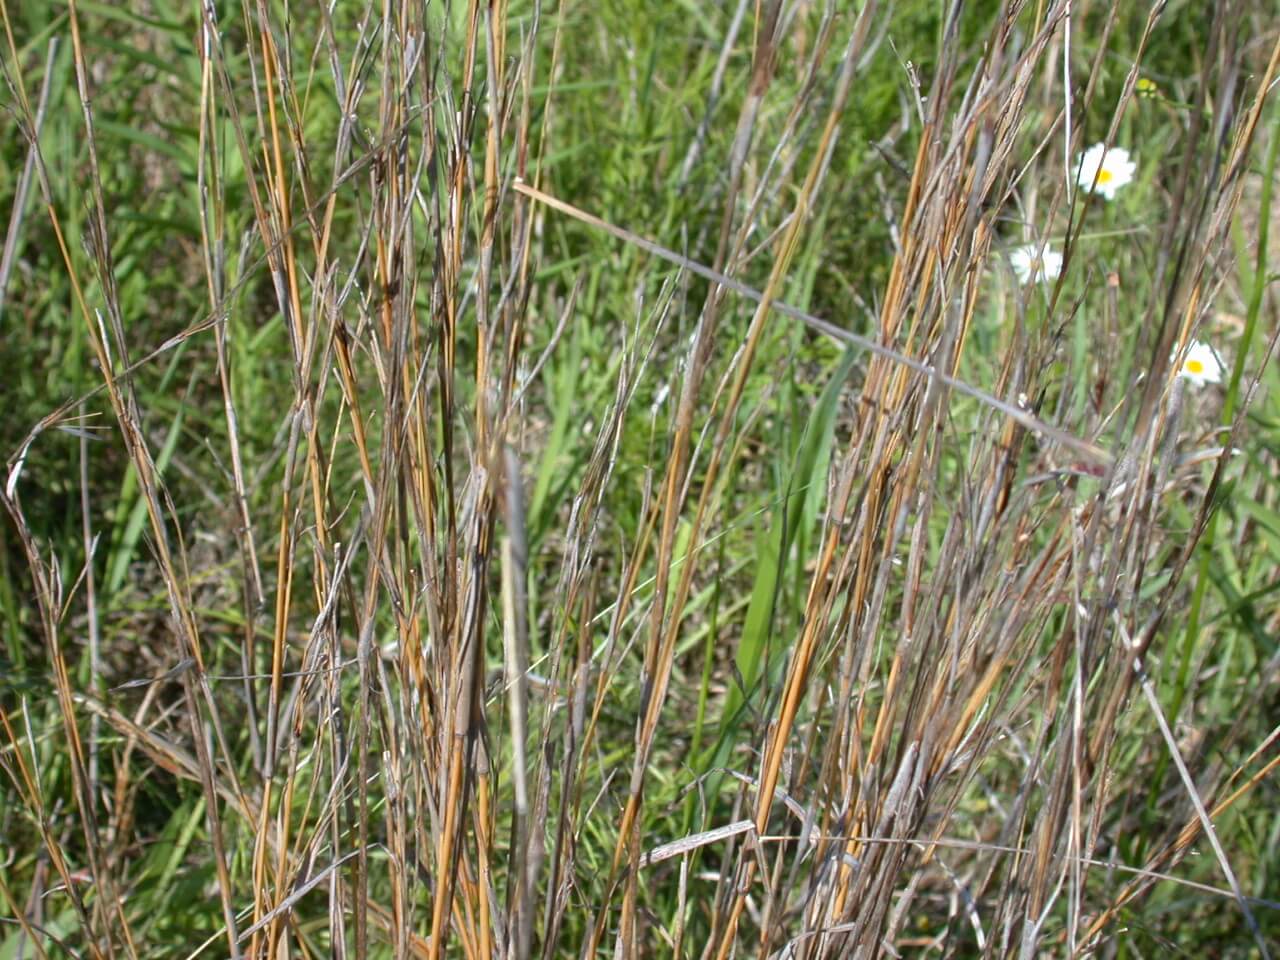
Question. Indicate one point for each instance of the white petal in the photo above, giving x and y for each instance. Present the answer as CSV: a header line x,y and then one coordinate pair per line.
x,y
1201,364
1032,262
1117,164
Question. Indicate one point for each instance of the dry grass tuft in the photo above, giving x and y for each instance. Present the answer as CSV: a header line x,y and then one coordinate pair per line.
x,y
522,549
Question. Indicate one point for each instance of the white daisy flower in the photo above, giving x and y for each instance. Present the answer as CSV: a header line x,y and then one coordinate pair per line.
x,y
1105,171
1200,364
1030,262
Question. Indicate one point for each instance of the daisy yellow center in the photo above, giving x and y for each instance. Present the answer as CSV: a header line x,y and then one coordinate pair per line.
x,y
1195,366
1104,175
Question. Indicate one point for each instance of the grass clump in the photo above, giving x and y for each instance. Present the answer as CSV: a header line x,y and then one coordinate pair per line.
x,y
520,480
